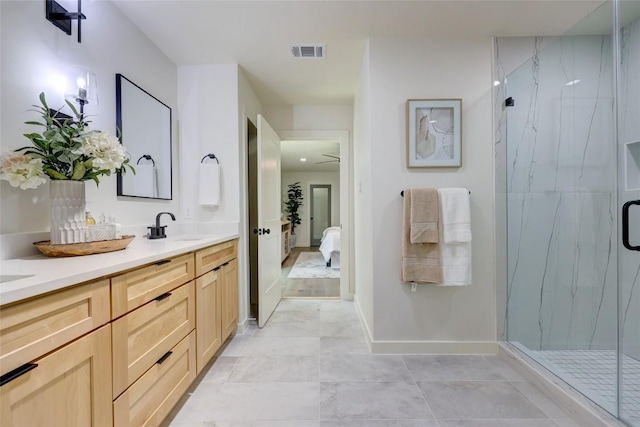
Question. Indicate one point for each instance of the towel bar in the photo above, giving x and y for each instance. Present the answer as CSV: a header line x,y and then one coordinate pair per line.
x,y
402,193
210,156
146,157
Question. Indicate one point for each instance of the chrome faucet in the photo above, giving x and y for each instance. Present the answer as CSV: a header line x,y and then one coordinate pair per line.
x,y
157,232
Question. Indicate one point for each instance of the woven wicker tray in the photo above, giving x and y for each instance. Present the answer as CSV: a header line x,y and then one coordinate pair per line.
x,y
80,249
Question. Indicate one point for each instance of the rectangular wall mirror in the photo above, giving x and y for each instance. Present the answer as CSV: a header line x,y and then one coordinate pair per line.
x,y
144,124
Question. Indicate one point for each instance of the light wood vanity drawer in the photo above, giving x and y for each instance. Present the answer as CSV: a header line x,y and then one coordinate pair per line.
x,y
137,287
150,399
209,258
141,337
68,387
31,329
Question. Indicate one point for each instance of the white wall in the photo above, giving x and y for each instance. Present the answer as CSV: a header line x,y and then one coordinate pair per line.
x,y
307,179
310,117
362,197
35,56
208,113
249,106
401,69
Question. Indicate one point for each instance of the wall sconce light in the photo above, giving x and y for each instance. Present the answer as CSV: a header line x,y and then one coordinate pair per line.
x,y
82,87
61,18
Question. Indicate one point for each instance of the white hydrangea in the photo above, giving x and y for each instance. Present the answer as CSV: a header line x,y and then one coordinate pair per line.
x,y
105,150
22,170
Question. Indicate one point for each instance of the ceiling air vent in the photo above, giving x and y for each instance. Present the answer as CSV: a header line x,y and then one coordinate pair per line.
x,y
307,51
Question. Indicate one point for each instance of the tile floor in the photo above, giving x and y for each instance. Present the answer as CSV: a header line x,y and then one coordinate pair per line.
x,y
310,367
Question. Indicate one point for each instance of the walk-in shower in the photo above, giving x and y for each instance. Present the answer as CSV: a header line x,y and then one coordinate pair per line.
x,y
568,175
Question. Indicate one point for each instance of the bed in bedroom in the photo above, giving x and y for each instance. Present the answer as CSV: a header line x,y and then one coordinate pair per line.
x,y
330,247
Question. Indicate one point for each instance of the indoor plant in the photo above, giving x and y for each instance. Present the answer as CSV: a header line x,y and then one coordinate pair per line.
x,y
294,194
68,153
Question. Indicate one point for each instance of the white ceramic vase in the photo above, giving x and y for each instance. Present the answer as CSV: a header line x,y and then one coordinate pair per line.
x,y
68,223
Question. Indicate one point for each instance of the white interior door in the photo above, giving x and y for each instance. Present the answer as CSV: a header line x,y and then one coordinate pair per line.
x,y
269,225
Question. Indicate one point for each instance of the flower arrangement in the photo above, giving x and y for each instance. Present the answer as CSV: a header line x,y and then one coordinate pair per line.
x,y
65,150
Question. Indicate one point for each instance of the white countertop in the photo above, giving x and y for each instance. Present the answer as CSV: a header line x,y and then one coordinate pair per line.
x,y
44,274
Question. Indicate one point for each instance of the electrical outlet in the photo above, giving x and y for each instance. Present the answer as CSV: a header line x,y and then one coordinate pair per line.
x,y
187,213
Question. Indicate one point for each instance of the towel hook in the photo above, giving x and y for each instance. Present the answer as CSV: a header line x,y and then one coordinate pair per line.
x,y
211,156
146,157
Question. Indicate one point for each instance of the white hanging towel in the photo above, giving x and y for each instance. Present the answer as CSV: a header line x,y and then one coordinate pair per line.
x,y
455,215
209,185
455,239
145,180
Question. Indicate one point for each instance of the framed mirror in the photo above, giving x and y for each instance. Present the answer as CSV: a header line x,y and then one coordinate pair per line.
x,y
144,126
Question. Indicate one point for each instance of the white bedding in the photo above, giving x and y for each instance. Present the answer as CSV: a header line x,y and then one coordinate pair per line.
x,y
330,244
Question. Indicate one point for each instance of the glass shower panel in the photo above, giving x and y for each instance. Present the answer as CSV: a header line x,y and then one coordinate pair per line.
x,y
629,192
561,212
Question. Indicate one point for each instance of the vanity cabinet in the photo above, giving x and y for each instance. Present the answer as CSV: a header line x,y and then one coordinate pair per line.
x,y
145,335
139,286
121,350
68,387
33,328
286,239
216,298
150,399
229,298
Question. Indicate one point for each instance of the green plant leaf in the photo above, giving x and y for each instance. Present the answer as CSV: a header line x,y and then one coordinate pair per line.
x,y
78,171
55,175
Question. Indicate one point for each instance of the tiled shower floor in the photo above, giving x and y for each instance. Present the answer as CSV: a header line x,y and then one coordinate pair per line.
x,y
593,373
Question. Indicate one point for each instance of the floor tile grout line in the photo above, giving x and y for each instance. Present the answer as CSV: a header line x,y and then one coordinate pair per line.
x,y
415,382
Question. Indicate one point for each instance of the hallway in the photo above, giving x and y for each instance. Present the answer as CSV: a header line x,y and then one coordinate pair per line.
x,y
310,367
307,287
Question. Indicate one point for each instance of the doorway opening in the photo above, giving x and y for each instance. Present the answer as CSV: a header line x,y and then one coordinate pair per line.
x,y
320,208
312,166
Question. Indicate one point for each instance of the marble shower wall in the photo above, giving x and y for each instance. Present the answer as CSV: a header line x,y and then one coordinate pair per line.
x,y
555,187
629,131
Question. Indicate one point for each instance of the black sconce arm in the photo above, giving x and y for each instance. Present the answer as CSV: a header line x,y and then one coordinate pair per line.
x,y
61,18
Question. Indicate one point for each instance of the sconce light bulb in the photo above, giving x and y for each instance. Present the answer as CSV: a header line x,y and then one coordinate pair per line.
x,y
82,83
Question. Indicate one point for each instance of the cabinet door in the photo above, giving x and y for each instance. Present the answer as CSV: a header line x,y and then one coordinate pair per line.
x,y
208,316
69,387
229,298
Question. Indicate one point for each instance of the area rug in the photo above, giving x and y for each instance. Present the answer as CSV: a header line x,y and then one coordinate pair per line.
x,y
311,265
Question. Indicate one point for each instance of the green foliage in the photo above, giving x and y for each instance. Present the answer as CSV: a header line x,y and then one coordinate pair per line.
x,y
292,205
60,146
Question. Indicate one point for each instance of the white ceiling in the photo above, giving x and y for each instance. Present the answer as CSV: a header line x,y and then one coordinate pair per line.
x,y
256,34
314,152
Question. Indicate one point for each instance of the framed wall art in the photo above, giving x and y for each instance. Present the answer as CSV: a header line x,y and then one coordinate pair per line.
x,y
434,133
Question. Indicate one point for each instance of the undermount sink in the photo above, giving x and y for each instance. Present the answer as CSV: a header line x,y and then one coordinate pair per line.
x,y
11,277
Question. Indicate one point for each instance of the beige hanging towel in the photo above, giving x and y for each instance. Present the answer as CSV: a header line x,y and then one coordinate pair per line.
x,y
420,261
424,215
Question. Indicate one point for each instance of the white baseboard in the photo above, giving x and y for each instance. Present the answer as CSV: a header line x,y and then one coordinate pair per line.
x,y
363,323
584,411
434,347
423,347
242,327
